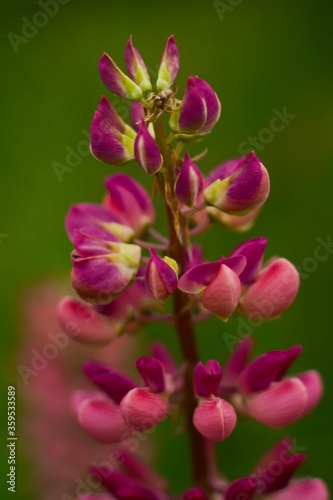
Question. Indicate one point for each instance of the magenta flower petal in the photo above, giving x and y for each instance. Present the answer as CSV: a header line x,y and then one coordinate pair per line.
x,y
253,250
136,67
281,404
82,322
236,263
146,151
102,420
207,378
244,487
116,81
214,418
129,202
151,372
161,276
88,245
113,383
142,409
87,215
169,65
196,279
189,183
111,115
265,369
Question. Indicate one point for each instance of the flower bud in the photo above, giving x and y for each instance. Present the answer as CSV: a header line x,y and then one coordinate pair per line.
x,y
195,494
136,67
146,151
303,489
129,202
242,489
151,372
113,383
108,143
143,409
207,378
116,81
102,420
83,323
281,404
161,276
238,186
199,111
169,65
214,418
188,183
273,291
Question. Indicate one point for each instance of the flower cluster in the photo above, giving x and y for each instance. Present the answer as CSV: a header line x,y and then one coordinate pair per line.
x,y
125,271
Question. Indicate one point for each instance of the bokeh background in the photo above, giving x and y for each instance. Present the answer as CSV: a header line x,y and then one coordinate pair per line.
x,y
259,57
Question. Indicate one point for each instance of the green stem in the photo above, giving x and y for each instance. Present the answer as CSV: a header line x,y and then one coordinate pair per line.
x,y
183,318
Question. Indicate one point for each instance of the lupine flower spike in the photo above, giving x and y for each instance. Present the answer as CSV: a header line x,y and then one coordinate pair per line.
x,y
128,273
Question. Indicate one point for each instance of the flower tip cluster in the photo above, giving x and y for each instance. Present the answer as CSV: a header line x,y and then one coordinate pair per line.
x,y
199,111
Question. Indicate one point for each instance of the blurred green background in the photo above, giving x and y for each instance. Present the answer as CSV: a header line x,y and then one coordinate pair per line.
x,y
259,56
